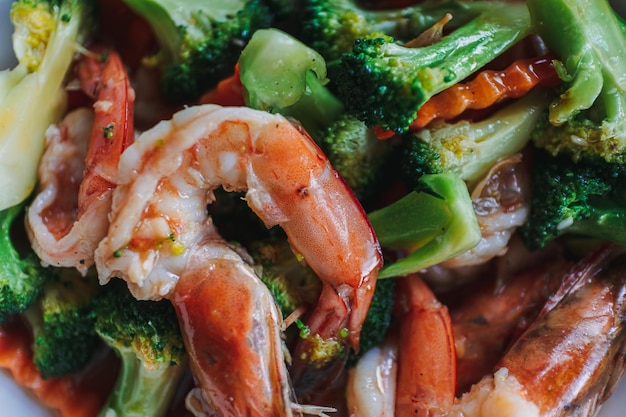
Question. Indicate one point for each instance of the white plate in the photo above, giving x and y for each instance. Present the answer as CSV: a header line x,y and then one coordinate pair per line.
x,y
15,402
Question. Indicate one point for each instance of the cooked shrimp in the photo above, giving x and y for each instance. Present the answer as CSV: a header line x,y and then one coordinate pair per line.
x,y
487,320
426,352
501,202
167,177
232,331
371,386
567,362
78,170
571,358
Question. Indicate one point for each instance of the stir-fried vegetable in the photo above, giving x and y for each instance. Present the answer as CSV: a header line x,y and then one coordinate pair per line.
x,y
405,150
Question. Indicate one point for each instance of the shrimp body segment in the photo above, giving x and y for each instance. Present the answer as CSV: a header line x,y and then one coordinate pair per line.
x,y
426,352
78,171
232,333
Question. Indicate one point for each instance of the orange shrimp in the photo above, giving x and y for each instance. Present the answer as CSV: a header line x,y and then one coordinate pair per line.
x,y
159,217
573,355
426,372
230,350
486,321
78,171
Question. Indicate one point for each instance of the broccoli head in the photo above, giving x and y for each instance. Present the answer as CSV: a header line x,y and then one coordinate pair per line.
x,y
147,338
21,275
357,154
585,198
290,281
201,40
62,322
385,83
588,118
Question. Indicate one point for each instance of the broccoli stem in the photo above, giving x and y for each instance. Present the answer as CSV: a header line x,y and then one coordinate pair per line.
x,y
432,224
22,132
282,75
606,221
141,391
468,48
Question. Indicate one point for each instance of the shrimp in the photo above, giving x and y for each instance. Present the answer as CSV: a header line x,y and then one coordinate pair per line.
x,y
491,317
371,385
167,178
501,202
77,173
571,358
244,350
423,318
566,362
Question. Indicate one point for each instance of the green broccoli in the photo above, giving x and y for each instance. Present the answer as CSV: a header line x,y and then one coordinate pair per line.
x,y
357,154
378,318
283,75
47,35
21,275
577,181
147,338
433,223
584,198
384,83
589,117
469,149
62,321
291,282
332,26
200,40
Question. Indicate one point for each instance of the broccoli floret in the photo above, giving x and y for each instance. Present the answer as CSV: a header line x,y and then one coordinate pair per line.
x,y
200,40
332,26
384,83
291,282
433,223
46,37
589,116
357,155
584,198
62,322
378,318
21,275
469,149
282,75
147,338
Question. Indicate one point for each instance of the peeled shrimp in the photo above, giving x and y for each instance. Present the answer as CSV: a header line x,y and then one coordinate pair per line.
x,y
371,386
78,170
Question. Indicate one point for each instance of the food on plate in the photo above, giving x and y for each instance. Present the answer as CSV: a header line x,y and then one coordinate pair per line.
x,y
314,207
